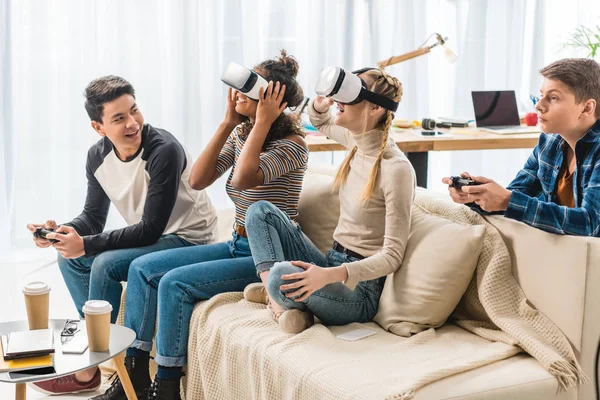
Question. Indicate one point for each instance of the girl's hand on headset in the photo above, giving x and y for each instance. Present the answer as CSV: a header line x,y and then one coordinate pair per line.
x,y
270,104
232,117
322,104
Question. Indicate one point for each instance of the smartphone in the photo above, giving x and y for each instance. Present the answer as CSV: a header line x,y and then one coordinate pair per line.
x,y
356,334
432,133
30,373
435,133
77,345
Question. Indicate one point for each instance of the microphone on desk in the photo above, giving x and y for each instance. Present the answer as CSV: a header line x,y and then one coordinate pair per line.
x,y
430,124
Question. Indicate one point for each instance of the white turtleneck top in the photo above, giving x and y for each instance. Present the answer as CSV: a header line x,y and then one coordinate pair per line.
x,y
378,230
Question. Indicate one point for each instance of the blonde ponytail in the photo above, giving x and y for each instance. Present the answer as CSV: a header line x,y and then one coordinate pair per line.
x,y
370,186
344,170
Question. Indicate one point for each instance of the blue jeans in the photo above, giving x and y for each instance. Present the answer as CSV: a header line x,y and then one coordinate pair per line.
x,y
170,282
99,277
274,239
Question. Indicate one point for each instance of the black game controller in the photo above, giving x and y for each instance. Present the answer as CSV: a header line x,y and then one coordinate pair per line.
x,y
42,232
458,182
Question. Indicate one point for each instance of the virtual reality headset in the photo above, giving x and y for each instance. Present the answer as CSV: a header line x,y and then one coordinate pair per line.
x,y
348,88
243,80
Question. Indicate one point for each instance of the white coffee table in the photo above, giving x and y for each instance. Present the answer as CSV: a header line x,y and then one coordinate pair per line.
x,y
65,364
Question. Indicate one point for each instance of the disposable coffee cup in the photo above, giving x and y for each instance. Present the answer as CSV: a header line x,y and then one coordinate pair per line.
x,y
37,303
97,321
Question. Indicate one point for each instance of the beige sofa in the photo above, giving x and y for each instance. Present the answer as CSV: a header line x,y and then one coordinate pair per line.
x,y
560,275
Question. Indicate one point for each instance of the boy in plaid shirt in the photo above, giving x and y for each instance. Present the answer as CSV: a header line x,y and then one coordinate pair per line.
x,y
558,189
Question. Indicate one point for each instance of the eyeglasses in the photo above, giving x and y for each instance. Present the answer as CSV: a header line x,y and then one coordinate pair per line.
x,y
71,328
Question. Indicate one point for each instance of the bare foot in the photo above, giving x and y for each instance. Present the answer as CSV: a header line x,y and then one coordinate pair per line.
x,y
275,308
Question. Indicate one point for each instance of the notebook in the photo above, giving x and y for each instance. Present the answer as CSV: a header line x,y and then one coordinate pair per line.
x,y
29,343
23,364
496,111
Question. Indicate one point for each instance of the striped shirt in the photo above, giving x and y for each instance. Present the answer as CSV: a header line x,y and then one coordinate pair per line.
x,y
283,164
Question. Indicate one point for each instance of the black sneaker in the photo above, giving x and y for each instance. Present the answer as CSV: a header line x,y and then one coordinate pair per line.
x,y
140,379
164,390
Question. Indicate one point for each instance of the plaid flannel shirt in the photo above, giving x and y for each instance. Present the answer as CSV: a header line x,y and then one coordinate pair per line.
x,y
534,188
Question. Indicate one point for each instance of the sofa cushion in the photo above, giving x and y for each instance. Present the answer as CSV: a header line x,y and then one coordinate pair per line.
x,y
564,264
439,262
319,209
225,221
237,351
519,377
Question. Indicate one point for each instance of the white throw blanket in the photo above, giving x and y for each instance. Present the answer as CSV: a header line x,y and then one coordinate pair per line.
x,y
236,350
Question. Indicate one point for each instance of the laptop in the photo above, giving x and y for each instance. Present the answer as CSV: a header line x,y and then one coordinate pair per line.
x,y
496,112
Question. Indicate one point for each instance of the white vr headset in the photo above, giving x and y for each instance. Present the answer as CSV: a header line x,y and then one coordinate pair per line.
x,y
348,88
244,80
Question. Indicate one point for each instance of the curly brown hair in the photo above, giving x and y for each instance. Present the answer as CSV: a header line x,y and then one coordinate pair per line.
x,y
283,69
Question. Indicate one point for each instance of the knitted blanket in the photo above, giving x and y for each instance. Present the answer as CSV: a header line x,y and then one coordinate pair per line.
x,y
236,350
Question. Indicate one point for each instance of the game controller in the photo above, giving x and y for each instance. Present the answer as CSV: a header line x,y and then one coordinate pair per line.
x,y
42,232
458,182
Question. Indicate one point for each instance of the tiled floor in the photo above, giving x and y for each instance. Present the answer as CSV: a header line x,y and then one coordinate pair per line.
x,y
21,267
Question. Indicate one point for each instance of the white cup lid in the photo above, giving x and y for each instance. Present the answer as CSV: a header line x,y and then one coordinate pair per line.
x,y
97,307
33,288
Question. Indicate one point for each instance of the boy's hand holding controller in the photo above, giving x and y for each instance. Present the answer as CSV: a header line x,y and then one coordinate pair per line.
x,y
455,189
65,239
41,241
480,190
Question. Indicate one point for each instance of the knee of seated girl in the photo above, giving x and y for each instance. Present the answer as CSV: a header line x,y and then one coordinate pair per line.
x,y
258,210
276,274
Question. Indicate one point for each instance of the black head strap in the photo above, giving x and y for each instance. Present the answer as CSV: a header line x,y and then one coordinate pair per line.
x,y
373,97
378,99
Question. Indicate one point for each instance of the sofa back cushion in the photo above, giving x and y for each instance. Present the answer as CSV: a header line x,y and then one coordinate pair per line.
x,y
318,209
560,277
552,270
439,261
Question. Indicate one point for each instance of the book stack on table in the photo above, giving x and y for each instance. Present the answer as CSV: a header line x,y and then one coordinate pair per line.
x,y
27,351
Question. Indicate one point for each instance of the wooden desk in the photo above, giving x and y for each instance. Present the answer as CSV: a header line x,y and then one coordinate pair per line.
x,y
417,147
